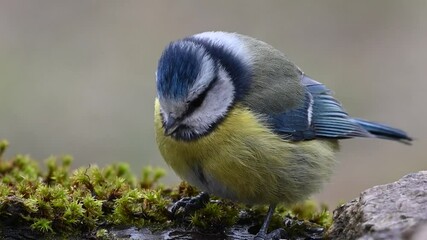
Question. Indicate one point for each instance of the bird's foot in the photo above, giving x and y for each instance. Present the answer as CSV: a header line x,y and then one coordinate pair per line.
x,y
277,234
190,204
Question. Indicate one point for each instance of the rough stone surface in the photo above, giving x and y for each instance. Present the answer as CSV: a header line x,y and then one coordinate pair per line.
x,y
393,211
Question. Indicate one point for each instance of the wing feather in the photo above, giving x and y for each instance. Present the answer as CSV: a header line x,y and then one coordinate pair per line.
x,y
321,116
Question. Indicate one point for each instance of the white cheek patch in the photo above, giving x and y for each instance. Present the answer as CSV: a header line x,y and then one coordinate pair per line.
x,y
230,41
215,105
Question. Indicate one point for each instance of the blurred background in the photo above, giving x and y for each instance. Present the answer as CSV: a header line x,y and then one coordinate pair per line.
x,y
77,77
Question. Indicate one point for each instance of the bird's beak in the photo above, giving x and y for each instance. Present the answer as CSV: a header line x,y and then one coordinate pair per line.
x,y
171,126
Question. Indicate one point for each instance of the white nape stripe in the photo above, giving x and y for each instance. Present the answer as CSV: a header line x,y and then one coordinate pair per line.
x,y
204,78
230,41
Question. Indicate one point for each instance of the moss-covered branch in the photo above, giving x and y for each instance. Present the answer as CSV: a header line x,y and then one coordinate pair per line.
x,y
92,201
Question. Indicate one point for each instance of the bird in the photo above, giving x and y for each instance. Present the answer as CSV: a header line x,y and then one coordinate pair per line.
x,y
237,119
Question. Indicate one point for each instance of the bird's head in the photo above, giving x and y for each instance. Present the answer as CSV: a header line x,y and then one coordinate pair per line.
x,y
194,90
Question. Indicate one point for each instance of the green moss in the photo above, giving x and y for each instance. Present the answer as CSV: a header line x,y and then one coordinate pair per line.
x,y
3,146
215,217
90,199
43,225
310,211
150,176
102,234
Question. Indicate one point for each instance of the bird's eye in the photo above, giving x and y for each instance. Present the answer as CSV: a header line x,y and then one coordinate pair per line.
x,y
198,101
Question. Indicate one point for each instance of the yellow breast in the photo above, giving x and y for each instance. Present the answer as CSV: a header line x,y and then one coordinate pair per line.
x,y
243,160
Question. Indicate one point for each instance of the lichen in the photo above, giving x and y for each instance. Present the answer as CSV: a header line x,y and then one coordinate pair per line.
x,y
88,201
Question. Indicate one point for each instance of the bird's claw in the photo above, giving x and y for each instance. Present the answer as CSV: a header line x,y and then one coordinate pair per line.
x,y
190,204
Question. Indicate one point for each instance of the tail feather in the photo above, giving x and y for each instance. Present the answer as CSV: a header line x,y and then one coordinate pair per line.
x,y
383,131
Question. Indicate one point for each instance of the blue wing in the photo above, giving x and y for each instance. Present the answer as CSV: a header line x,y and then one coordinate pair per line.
x,y
321,116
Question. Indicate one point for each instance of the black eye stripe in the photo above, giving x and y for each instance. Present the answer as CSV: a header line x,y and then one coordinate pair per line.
x,y
199,100
196,103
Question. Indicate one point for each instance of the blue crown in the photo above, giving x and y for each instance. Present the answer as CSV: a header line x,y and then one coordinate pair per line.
x,y
181,62
178,68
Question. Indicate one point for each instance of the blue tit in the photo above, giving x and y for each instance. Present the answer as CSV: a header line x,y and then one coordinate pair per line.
x,y
237,119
